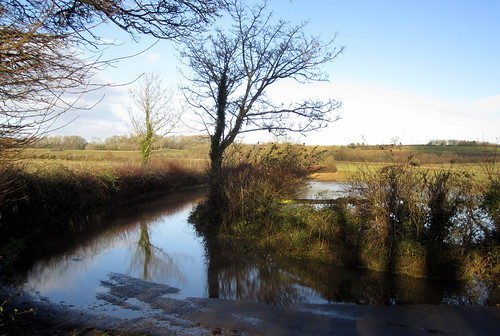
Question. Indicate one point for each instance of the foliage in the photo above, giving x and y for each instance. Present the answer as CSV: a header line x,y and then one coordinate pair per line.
x,y
435,214
73,142
41,194
491,191
397,218
258,179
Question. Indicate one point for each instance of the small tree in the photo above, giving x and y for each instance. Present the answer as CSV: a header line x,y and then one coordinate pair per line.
x,y
152,115
232,71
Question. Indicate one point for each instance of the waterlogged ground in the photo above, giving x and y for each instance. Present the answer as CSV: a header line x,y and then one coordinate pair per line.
x,y
154,242
143,268
325,190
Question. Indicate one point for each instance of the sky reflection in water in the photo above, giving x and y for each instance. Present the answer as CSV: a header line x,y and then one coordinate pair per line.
x,y
155,242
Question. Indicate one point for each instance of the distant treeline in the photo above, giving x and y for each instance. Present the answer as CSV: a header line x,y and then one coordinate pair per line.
x,y
118,142
452,142
436,151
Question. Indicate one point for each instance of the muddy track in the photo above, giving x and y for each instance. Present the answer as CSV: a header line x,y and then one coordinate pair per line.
x,y
161,315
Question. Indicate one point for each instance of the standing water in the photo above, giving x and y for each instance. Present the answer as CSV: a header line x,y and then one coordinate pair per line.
x,y
325,190
156,243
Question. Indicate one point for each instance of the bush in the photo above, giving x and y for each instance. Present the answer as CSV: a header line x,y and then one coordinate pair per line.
x,y
258,179
419,222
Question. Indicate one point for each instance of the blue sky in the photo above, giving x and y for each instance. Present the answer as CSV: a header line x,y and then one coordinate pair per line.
x,y
416,70
450,48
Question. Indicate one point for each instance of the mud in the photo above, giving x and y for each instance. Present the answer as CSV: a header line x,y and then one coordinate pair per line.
x,y
162,315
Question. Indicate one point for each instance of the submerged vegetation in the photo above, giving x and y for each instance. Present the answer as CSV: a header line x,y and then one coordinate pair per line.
x,y
398,217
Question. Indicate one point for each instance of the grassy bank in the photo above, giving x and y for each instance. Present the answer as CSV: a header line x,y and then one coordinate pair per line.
x,y
49,192
51,197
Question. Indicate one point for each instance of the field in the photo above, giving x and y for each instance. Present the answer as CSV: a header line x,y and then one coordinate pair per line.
x,y
105,160
339,162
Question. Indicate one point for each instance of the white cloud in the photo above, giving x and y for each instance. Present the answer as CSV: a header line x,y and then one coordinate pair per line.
x,y
106,117
153,56
488,105
374,112
380,113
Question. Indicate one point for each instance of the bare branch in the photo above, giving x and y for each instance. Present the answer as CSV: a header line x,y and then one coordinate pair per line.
x,y
152,113
231,72
233,69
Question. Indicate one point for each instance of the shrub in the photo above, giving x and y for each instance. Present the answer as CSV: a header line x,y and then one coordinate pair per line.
x,y
258,179
419,222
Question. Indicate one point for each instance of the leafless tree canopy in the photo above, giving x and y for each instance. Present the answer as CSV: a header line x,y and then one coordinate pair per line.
x,y
38,74
159,18
42,74
151,99
233,69
152,113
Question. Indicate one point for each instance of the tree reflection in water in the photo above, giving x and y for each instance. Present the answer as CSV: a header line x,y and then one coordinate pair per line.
x,y
239,275
240,272
57,258
152,263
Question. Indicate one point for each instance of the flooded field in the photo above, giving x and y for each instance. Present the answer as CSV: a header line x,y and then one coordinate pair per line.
x,y
156,243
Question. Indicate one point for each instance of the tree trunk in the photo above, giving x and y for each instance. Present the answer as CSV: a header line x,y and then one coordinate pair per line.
x,y
214,268
216,201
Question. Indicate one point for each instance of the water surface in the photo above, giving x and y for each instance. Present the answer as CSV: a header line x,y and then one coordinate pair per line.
x,y
155,242
324,190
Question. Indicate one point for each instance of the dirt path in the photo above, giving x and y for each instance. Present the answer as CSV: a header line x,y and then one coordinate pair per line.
x,y
160,315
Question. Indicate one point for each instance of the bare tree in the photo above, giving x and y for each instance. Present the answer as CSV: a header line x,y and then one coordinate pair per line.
x,y
41,71
43,74
38,73
232,71
152,114
168,19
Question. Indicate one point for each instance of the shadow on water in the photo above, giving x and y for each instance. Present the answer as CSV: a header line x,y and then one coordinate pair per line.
x,y
237,272
85,239
155,242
